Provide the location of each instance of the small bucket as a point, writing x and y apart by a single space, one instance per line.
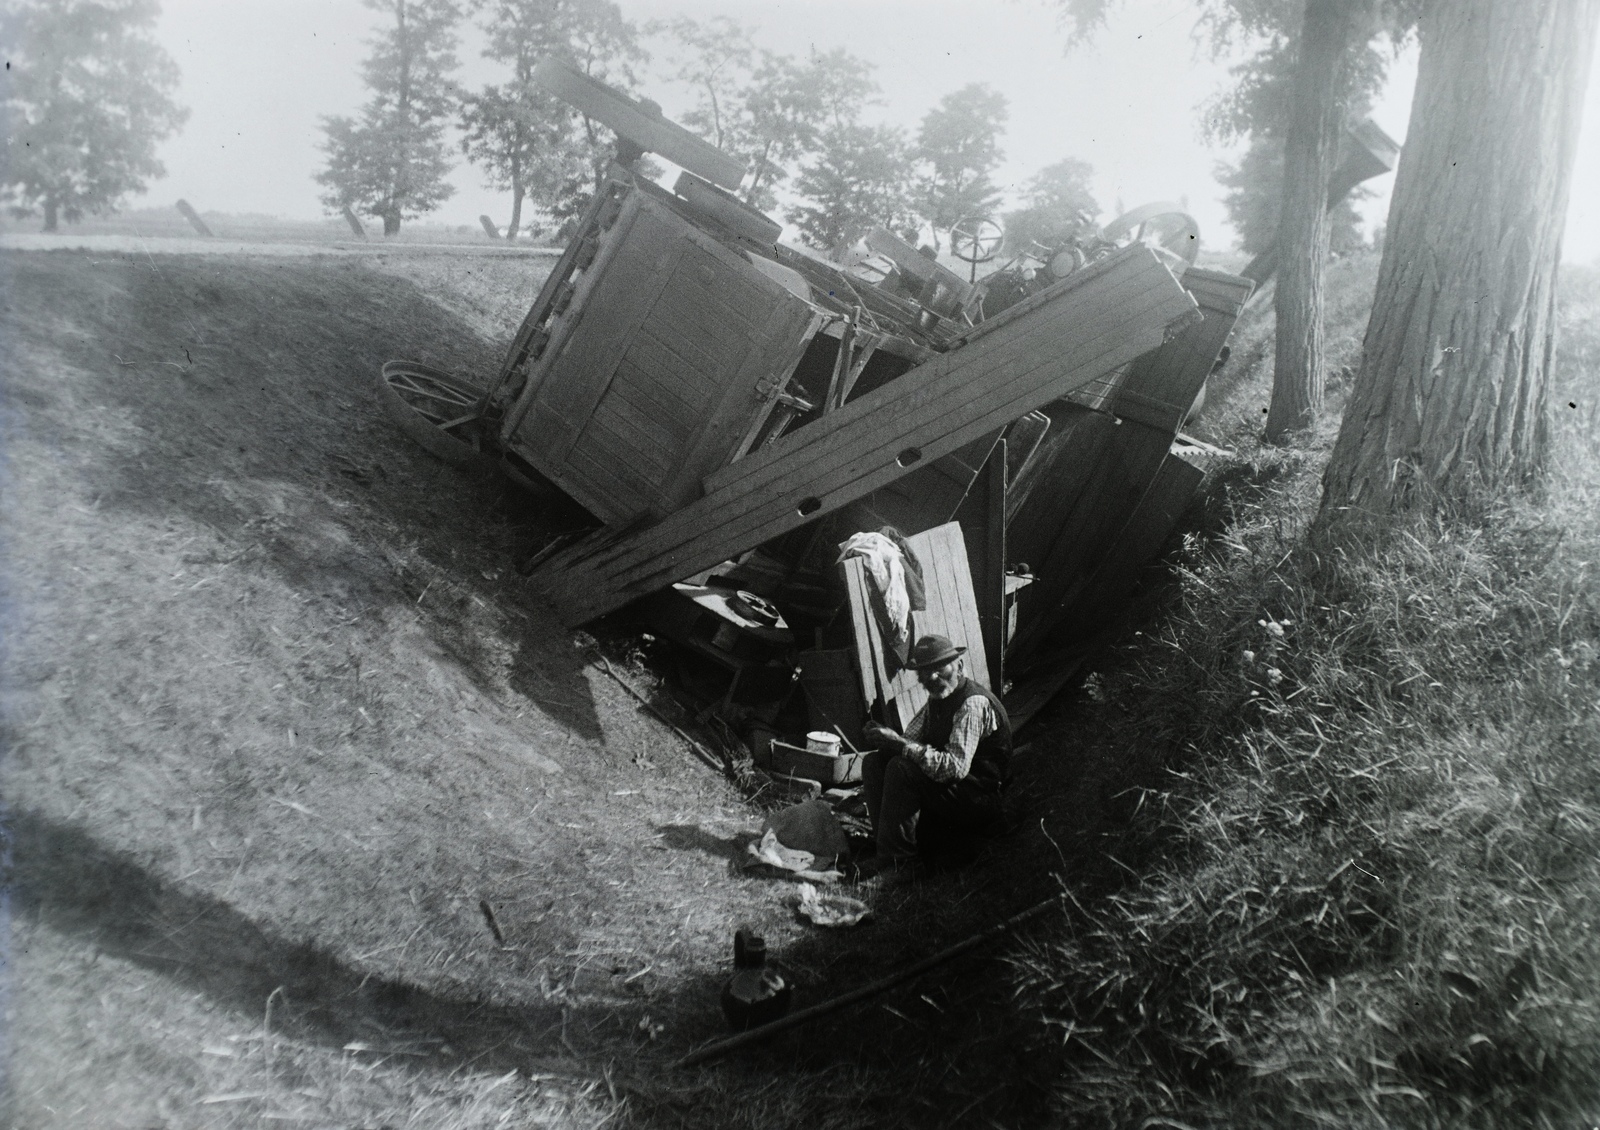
820 741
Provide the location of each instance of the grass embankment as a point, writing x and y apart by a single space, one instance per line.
1362 882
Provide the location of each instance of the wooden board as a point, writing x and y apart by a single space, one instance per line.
1066 336
982 517
668 359
1106 463
952 611
1106 593
1161 386
638 123
928 497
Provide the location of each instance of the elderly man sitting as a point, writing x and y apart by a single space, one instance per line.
950 765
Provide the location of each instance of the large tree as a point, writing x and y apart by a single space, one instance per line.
392 162
1255 194
523 141
88 95
958 144
858 177
1319 95
1452 394
1309 67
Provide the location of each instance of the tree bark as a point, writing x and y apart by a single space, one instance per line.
391 222
1452 395
1311 147
517 192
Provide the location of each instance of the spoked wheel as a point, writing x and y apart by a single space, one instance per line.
438 410
1162 225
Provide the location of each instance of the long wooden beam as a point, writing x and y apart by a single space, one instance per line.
1061 339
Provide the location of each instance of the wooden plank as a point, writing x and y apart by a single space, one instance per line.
951 611
651 131
612 300
651 436
982 517
1161 385
1122 309
769 358
1104 304
1022 442
1066 546
925 498
869 661
1102 598
1147 530
1041 502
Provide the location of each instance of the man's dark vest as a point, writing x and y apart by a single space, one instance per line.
992 762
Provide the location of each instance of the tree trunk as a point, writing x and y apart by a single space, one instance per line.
49 215
1310 150
517 192
391 222
1452 395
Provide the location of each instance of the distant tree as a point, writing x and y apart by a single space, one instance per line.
858 177
715 59
524 143
1057 205
87 98
392 162
766 108
527 142
1453 391
861 178
958 144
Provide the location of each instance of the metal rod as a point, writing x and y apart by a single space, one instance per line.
795 1019
700 750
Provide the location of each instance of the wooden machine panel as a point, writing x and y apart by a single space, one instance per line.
672 347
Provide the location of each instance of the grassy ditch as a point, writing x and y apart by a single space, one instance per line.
1360 887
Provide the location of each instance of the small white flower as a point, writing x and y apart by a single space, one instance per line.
1274 676
1274 629
1249 657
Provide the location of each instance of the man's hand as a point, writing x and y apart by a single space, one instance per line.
881 735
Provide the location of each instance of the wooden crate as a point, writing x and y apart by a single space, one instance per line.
672 346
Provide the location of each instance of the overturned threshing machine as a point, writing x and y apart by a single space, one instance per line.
731 409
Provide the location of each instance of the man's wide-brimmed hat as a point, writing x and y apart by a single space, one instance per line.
932 651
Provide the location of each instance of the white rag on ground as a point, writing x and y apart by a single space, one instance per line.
769 851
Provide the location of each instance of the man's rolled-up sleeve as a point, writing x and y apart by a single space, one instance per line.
974 721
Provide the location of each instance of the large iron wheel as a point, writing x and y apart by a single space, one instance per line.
1163 225
438 410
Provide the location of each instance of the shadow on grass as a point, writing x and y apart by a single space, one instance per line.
251 388
79 888
692 837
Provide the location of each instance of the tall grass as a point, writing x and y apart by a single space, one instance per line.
1364 891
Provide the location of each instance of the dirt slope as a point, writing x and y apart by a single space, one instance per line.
278 716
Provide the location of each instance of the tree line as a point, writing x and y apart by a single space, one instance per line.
1452 392
797 123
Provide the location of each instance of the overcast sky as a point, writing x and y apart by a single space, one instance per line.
258 75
